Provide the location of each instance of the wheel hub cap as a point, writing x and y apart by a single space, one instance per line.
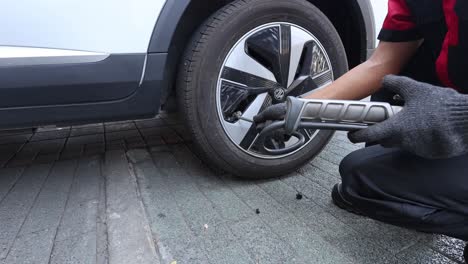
279 94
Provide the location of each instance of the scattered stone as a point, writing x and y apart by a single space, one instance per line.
161 215
299 196
257 211
205 226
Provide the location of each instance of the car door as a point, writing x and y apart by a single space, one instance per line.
61 52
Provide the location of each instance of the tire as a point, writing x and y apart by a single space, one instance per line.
198 81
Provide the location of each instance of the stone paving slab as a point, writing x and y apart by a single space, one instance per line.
128 232
135 192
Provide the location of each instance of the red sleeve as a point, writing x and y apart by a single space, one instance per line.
399 25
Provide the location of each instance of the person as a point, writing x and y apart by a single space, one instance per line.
414 171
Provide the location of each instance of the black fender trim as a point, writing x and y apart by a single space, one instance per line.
369 22
166 25
165 29
173 11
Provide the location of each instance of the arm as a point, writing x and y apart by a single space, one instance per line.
366 79
360 82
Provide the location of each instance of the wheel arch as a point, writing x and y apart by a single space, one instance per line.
179 20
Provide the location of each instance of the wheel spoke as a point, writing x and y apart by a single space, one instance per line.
259 104
313 60
251 135
301 85
245 78
242 62
285 54
313 71
319 82
323 79
232 95
271 47
306 134
298 39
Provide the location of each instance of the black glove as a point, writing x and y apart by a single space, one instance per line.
433 123
272 113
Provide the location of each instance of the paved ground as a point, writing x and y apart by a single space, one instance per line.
133 192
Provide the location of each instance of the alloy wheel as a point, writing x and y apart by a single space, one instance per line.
264 67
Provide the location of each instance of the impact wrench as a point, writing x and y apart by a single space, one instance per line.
327 115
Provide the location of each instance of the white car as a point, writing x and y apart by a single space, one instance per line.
82 61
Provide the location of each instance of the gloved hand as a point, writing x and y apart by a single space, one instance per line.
272 113
433 123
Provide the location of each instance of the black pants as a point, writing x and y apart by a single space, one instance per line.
399 188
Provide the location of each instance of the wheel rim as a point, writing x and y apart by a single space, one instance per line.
265 66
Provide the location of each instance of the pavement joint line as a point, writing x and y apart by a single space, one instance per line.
318 168
141 180
338 153
64 208
323 207
105 137
297 218
322 189
197 186
21 172
64 144
211 174
178 205
308 225
413 243
349 148
178 134
18 151
141 135
300 172
400 257
102 242
279 203
443 253
261 219
29 209
352 227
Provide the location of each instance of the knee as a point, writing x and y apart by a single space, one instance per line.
362 158
350 163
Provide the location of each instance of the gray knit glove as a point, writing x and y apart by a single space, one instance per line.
433 123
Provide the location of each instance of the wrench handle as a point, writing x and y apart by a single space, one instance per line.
336 114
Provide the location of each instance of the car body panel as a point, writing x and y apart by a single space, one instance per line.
74 51
107 26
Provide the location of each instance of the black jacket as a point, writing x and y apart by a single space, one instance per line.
443 24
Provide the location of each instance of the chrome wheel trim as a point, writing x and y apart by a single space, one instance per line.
244 68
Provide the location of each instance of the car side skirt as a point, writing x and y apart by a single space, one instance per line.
128 94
